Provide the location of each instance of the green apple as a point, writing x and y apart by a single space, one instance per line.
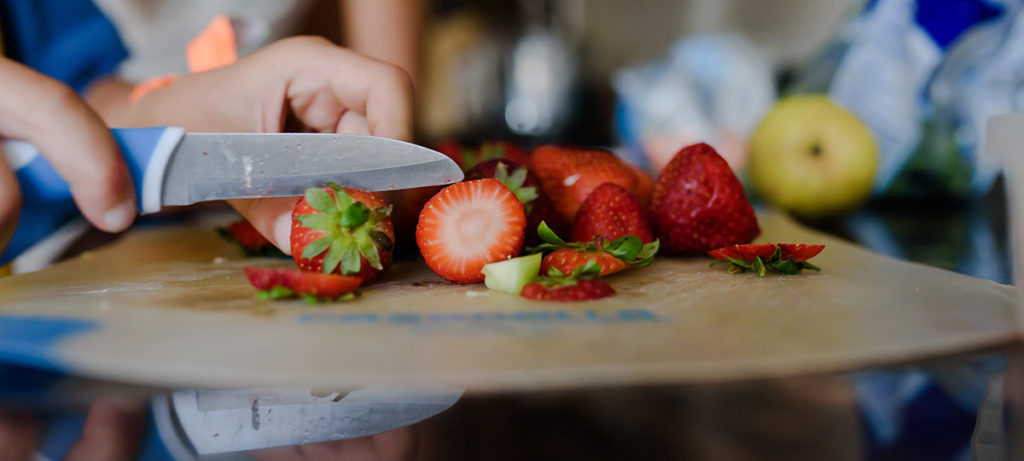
511 275
812 157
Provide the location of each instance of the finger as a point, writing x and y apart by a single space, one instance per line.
17 435
10 202
73 138
352 123
379 91
112 432
272 217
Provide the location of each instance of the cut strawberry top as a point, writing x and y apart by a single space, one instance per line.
787 258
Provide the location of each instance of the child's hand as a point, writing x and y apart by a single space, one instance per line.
45 112
306 80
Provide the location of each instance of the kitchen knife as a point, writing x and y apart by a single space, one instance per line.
205 422
171 167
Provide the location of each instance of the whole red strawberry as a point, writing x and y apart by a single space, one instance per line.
344 231
611 212
699 205
570 174
528 189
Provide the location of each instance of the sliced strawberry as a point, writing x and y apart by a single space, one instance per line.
469 225
787 258
249 240
611 212
567 260
342 231
580 285
286 283
610 255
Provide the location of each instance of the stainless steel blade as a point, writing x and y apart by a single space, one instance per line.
241 420
218 166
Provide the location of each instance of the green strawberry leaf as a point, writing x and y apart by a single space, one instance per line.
369 251
350 262
316 246
320 200
546 234
808 265
320 222
526 195
739 263
589 270
777 255
785 266
625 248
355 215
277 292
380 213
381 240
333 256
759 266
341 198
646 255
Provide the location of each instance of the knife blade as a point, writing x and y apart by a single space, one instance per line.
206 422
170 167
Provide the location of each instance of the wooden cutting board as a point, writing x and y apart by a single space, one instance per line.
171 307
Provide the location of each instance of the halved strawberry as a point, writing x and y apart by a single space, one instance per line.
286 283
249 240
469 225
611 212
610 255
580 285
342 231
787 258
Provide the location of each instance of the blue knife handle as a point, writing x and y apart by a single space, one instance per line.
145 150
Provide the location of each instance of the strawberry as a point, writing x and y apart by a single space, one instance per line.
249 240
567 260
610 255
344 231
527 188
787 258
644 186
570 174
699 205
495 150
469 225
453 150
285 283
611 212
580 285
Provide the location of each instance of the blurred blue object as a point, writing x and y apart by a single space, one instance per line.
709 88
69 40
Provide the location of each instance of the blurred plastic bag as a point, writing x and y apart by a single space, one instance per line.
710 88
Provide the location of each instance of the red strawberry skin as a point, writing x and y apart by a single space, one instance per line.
319 285
247 236
611 212
644 186
302 236
541 208
570 174
584 290
567 260
469 225
796 252
698 204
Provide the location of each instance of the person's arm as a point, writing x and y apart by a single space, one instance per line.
388 30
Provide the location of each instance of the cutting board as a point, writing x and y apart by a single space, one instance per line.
171 307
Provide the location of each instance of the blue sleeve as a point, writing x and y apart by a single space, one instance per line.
69 40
